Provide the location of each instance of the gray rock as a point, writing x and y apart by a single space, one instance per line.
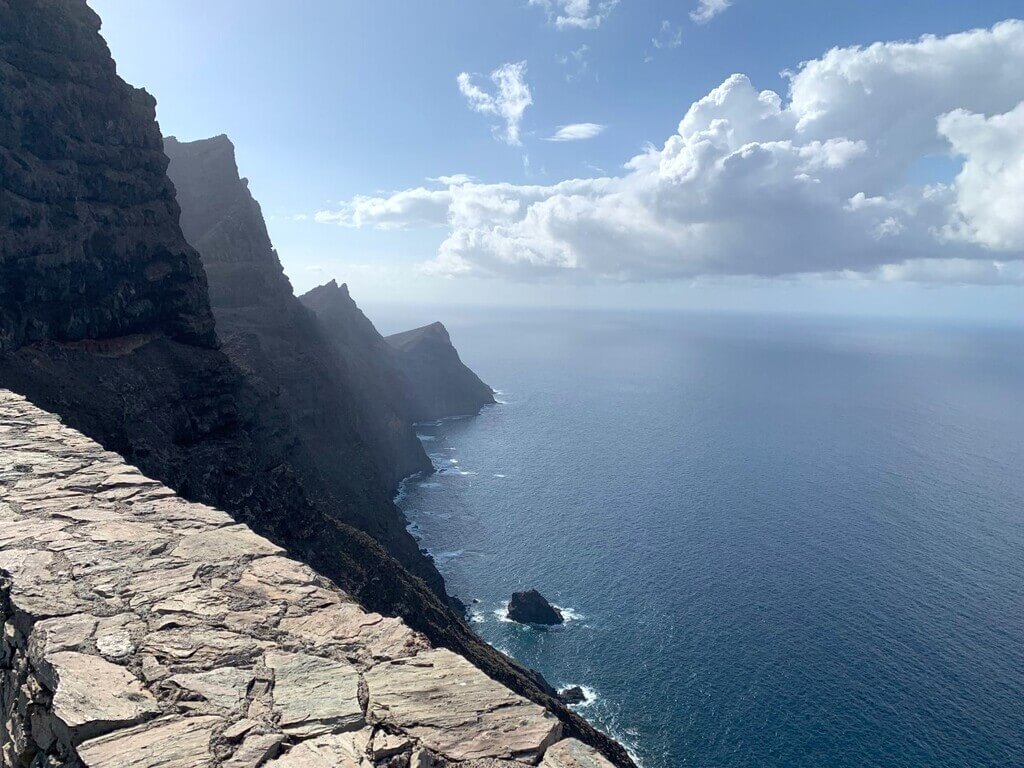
531 607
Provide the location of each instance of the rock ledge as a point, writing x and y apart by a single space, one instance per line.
144 631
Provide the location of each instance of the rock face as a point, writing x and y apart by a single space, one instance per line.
417 373
106 323
531 607
359 448
88 241
141 630
442 385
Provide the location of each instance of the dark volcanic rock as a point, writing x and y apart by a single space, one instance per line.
572 695
359 448
105 322
89 244
530 607
441 384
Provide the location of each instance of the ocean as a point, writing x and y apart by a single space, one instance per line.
779 541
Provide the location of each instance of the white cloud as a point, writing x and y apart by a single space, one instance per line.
577 132
453 180
669 36
509 102
752 184
577 14
407 209
990 188
576 62
708 9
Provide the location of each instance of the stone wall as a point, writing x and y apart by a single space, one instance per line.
144 631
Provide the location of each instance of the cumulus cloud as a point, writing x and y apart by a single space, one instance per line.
707 10
577 14
455 178
669 36
754 184
990 188
577 132
408 209
509 101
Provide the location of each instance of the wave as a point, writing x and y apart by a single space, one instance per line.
590 694
426 438
569 614
443 557
428 485
497 475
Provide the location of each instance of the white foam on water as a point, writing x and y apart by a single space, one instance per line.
427 438
590 693
570 615
428 485
444 557
497 475
453 461
477 617
464 473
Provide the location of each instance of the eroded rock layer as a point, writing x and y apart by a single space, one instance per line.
142 630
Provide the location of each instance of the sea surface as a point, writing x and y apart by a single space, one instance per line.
779 541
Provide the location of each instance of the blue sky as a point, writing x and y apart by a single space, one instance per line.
345 101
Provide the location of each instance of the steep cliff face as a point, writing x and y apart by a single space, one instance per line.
360 448
364 351
88 241
441 384
418 372
116 338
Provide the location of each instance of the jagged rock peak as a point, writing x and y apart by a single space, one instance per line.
90 245
222 220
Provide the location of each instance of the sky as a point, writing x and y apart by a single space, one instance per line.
753 155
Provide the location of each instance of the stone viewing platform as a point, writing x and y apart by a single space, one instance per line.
145 631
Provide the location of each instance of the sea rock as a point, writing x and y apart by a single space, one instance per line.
530 607
572 695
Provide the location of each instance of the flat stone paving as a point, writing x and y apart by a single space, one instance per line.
145 631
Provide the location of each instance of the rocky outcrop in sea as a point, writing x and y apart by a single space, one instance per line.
531 607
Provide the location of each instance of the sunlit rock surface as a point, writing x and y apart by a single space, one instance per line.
141 630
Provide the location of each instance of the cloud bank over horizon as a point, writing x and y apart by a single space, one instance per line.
754 184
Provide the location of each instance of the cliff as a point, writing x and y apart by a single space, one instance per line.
360 448
106 323
89 244
418 372
142 630
367 354
441 384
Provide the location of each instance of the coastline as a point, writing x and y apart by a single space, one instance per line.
475 612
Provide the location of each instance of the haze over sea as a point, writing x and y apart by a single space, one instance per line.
782 541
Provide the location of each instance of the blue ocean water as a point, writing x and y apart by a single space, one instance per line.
781 542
